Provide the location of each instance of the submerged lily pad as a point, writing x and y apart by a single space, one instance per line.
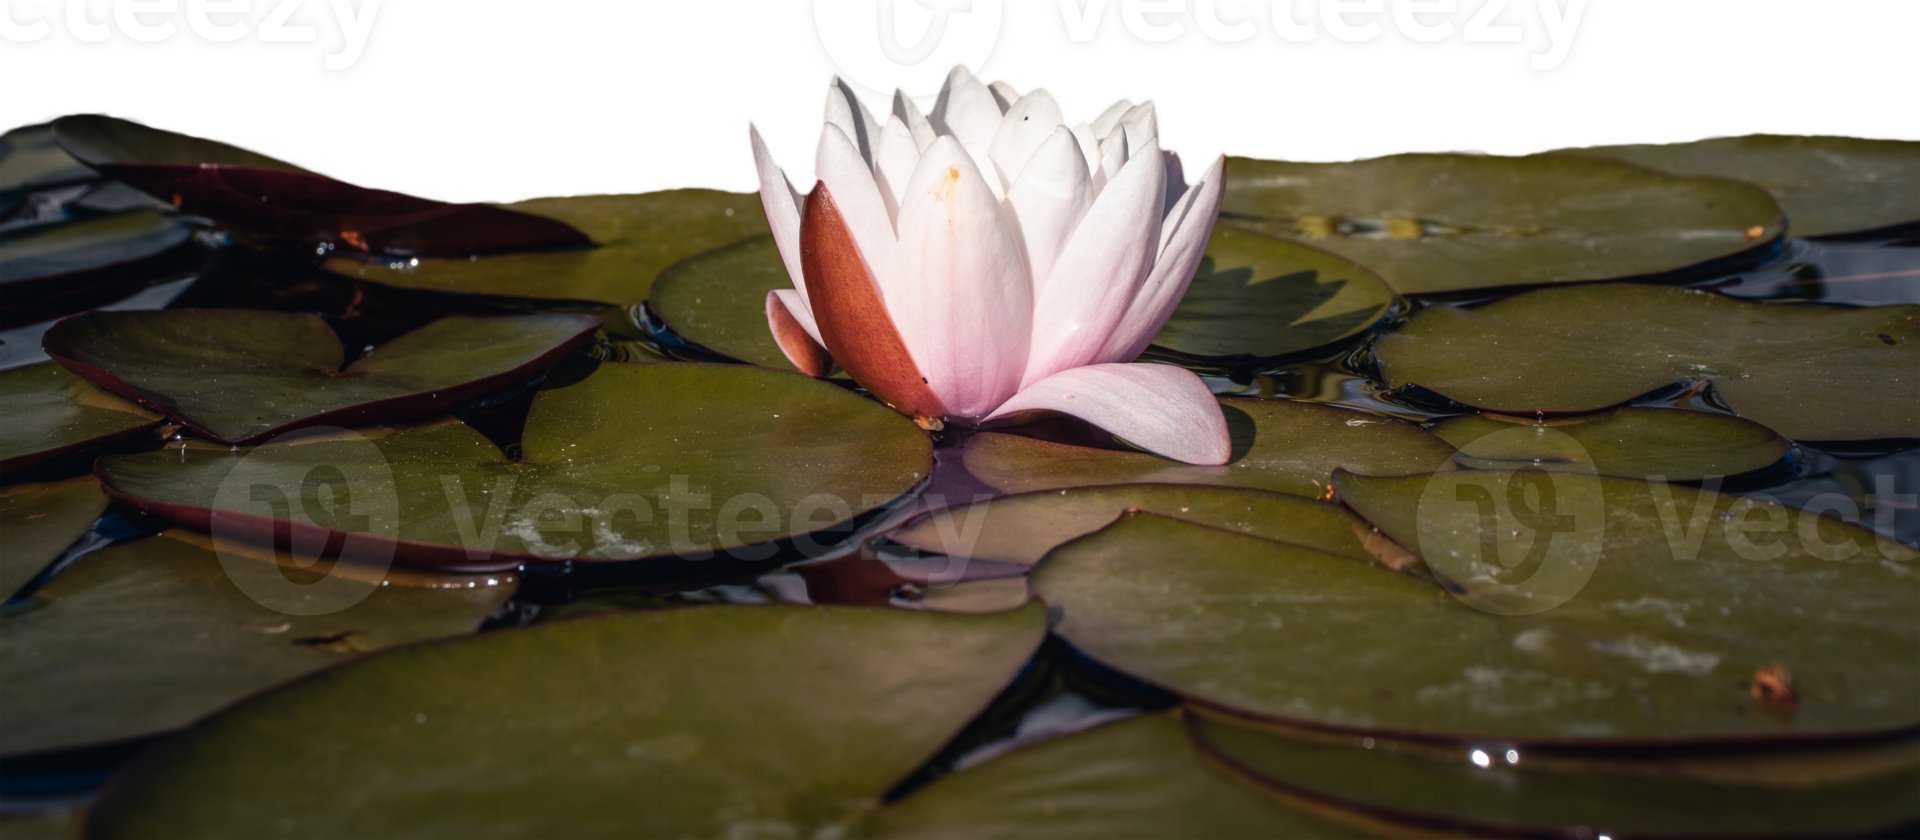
1817 792
1023 528
638 236
1289 447
239 375
1256 297
40 521
703 722
1134 778
1439 223
32 259
1665 444
272 200
146 637
718 300
1807 372
49 412
1827 185
729 456
1654 649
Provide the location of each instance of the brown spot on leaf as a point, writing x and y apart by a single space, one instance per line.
1773 686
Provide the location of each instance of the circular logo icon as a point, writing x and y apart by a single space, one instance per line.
305 524
1523 531
910 45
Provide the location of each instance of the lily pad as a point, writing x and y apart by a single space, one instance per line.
40 522
36 258
1023 528
1289 447
1135 778
275 201
638 235
1807 372
1823 792
30 160
146 637
730 457
49 412
241 376
1664 444
1644 654
1441 223
1827 185
718 300
1256 297
710 722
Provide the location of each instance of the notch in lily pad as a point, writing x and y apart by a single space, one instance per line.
241 376
274 201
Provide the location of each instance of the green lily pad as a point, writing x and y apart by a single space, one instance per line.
634 461
1831 791
1135 778
718 300
107 140
638 235
1023 528
1807 372
1827 185
1642 654
41 521
56 824
31 160
1256 297
35 258
49 412
1665 444
1280 445
1440 223
240 375
711 721
147 637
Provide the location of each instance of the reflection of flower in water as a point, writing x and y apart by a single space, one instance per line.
988 259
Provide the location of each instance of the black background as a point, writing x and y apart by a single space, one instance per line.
515 98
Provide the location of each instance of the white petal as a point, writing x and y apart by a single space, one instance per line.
945 153
1030 122
1089 147
1141 124
782 205
1159 408
1176 180
1114 154
1183 243
1100 270
996 179
965 309
1005 95
845 110
1048 200
846 175
909 113
1103 124
965 110
894 158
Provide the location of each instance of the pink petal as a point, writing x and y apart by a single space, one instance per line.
958 287
1159 408
839 165
1183 243
1176 180
1029 123
894 158
1100 270
965 110
845 110
782 205
794 330
1048 200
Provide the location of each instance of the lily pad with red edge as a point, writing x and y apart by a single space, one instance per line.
241 376
60 257
273 201
1280 445
1444 223
705 722
1829 186
40 522
718 300
48 412
1828 791
634 461
638 236
1806 372
1664 444
1256 298
1133 778
149 636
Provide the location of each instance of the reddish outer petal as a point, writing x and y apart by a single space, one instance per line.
853 320
801 350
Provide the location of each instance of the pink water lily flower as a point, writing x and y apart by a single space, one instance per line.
987 259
